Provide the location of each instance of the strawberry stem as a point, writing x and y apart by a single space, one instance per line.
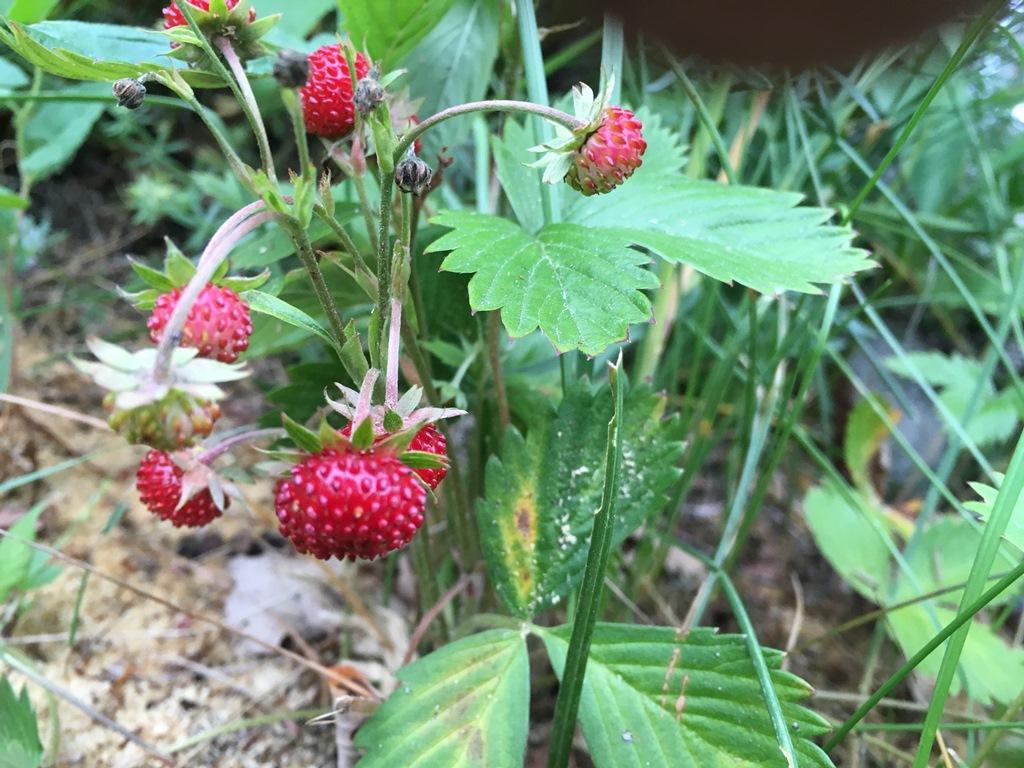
551 114
249 105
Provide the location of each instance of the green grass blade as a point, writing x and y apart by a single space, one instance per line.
589 603
988 547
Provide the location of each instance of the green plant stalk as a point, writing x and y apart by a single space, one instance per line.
249 101
962 621
426 571
704 116
343 237
218 65
537 92
665 300
589 603
304 248
612 49
948 460
988 548
878 613
387 190
188 96
569 54
291 103
992 740
970 38
551 114
366 209
771 698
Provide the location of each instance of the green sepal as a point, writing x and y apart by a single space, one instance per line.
269 193
304 438
240 284
144 299
304 198
362 435
326 193
151 277
177 266
399 441
352 353
423 460
331 437
393 421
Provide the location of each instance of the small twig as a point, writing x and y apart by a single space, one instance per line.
494 351
798 618
432 613
56 410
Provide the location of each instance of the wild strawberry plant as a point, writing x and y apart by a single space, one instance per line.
591 204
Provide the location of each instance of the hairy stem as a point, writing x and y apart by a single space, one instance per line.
551 114
249 105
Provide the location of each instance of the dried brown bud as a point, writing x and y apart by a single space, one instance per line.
130 93
291 70
413 175
369 94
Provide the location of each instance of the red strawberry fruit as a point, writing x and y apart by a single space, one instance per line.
609 155
159 484
218 324
430 440
327 106
173 16
347 503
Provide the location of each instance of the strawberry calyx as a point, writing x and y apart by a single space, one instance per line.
177 271
232 20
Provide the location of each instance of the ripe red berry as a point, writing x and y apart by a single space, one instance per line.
327 105
173 16
609 155
428 439
159 484
218 324
350 504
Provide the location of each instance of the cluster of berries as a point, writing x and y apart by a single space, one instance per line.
345 495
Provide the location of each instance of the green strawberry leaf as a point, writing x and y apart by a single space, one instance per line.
1015 530
57 130
466 704
266 304
992 668
20 746
15 556
580 286
390 30
655 696
760 238
997 417
80 50
9 199
540 495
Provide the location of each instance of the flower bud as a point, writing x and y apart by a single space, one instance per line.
413 175
291 70
369 94
130 93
